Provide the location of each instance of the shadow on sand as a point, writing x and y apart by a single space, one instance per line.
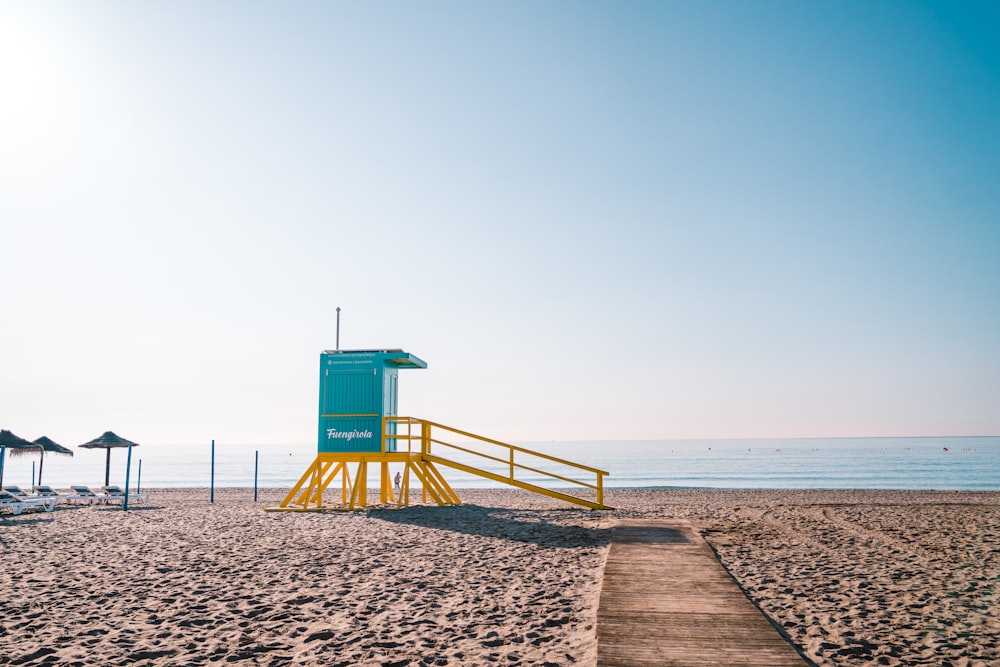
530 526
26 519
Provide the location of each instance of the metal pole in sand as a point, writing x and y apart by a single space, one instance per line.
211 495
256 462
128 469
32 473
138 482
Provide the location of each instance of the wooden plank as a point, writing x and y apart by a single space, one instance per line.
666 600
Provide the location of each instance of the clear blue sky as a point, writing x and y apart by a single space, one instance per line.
593 220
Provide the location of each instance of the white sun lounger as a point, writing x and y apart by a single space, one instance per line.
87 495
43 491
116 493
17 504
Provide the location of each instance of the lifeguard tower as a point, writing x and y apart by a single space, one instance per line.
358 427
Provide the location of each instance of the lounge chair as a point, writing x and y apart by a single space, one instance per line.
43 491
87 495
17 504
17 491
117 493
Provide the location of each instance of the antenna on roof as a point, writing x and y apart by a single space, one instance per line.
338 328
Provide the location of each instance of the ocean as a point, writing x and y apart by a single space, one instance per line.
947 463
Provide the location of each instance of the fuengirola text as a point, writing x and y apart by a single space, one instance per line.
332 433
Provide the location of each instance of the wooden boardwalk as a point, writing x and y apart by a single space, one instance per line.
666 600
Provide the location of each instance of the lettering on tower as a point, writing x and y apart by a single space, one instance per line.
332 434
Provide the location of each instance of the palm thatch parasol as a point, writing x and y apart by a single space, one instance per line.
108 441
45 444
17 446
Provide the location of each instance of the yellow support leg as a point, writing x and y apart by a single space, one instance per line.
428 486
359 496
361 479
443 483
346 488
404 489
308 491
314 494
386 485
317 497
298 485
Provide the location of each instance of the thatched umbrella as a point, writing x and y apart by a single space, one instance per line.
17 446
45 444
108 441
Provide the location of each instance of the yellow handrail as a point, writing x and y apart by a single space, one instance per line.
426 440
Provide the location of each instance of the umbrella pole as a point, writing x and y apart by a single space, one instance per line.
3 453
128 468
41 464
212 483
107 468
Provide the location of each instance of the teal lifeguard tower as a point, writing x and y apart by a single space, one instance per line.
358 426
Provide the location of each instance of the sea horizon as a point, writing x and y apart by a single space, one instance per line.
879 462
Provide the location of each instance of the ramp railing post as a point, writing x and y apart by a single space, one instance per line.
425 450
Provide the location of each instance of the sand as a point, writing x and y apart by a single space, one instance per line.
508 578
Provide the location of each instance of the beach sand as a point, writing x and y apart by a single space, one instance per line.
507 578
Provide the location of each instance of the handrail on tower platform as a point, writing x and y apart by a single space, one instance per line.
507 467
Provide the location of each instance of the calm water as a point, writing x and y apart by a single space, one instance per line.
816 463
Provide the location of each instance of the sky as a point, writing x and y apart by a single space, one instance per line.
593 220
